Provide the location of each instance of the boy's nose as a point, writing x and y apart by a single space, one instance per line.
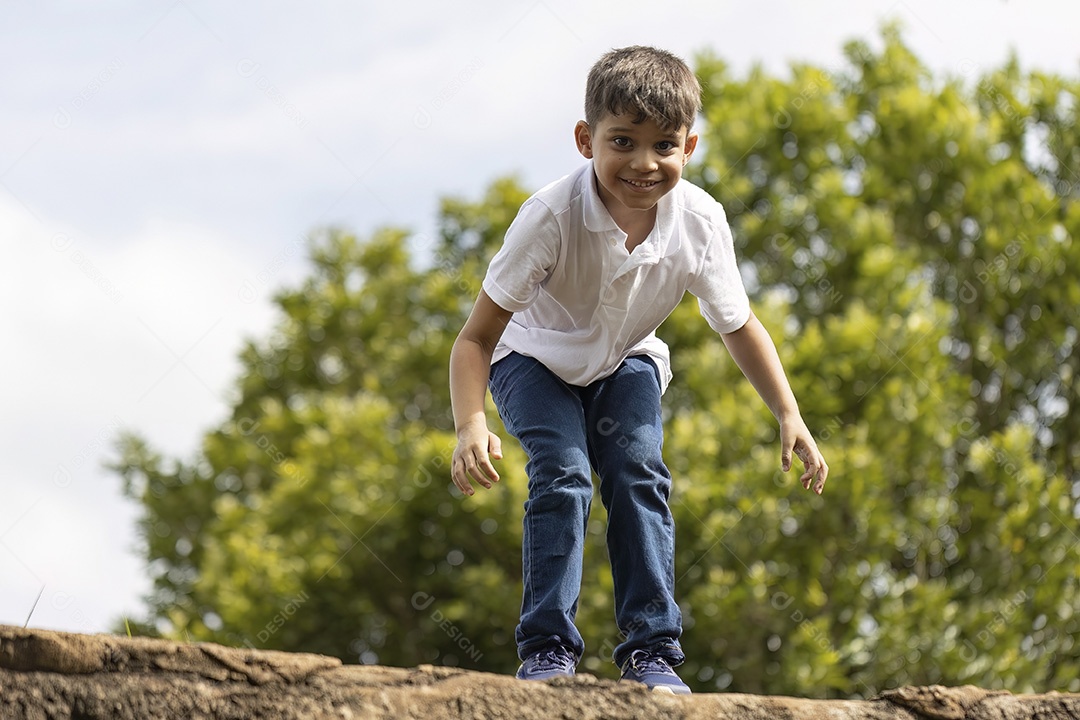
644 161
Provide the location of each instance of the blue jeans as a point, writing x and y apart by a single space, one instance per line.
612 426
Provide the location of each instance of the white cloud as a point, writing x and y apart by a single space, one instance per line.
140 337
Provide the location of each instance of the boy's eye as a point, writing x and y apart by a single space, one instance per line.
665 146
621 141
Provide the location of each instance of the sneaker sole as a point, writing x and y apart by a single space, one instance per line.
662 689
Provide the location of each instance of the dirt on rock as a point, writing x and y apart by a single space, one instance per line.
47 675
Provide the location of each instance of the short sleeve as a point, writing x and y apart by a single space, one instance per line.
718 285
529 253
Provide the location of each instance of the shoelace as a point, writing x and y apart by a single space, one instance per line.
645 663
553 659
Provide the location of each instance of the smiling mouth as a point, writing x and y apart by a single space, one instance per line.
641 184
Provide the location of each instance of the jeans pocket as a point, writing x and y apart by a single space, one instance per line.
497 379
500 382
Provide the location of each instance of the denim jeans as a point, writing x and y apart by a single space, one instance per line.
612 426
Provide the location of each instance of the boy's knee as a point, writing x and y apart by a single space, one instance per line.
563 494
635 450
567 473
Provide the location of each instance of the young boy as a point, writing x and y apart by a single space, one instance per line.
563 333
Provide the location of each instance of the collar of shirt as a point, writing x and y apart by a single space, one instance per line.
660 243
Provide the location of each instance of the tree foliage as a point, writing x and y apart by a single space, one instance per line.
910 242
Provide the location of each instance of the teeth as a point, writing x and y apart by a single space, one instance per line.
641 184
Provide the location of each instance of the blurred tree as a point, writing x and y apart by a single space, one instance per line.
909 241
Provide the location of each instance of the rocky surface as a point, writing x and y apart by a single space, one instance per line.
51 675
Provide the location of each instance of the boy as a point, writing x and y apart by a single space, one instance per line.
563 334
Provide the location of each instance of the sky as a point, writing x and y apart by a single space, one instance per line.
162 161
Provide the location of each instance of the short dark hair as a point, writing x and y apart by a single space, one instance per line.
651 83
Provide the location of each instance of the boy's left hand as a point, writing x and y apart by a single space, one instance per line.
796 438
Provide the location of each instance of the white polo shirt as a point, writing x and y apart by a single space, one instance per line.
582 304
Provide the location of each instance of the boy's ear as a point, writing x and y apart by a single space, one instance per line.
583 138
688 148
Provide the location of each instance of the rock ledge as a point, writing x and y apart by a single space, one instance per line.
47 675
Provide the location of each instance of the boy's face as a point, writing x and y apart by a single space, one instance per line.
636 164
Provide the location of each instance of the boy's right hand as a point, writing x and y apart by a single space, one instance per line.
472 458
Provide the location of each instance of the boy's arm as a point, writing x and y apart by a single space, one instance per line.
755 354
470 366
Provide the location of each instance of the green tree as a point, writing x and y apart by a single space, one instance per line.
909 241
911 238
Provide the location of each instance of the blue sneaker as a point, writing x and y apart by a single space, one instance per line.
654 672
553 661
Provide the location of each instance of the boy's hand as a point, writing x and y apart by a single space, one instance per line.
476 445
796 438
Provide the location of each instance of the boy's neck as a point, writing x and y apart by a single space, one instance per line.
637 224
637 227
